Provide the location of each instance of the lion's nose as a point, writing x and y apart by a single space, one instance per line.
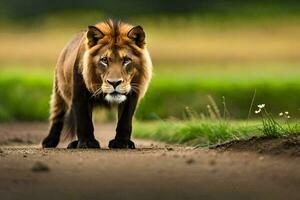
115 83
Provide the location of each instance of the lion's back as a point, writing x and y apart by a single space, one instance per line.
65 65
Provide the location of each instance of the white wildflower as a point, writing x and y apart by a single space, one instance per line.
288 117
280 114
286 112
257 111
260 106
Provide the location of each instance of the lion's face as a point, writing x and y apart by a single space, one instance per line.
113 60
116 69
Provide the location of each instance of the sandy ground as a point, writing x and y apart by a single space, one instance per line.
152 171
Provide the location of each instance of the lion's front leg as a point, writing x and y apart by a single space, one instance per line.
84 126
82 108
124 126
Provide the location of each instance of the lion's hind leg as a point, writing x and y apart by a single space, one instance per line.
58 109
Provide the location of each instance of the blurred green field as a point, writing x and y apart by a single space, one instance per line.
25 95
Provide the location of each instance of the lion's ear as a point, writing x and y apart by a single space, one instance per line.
93 35
137 34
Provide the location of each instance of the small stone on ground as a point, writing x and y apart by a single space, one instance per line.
40 167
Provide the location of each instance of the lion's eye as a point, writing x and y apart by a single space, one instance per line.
104 61
127 61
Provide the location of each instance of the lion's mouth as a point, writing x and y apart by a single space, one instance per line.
114 93
115 97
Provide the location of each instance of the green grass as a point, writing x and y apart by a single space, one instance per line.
25 95
177 86
170 97
206 133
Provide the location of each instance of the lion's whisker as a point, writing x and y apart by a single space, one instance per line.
134 89
97 92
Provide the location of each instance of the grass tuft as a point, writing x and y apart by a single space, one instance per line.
209 130
201 133
197 132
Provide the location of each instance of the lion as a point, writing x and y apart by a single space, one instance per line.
107 65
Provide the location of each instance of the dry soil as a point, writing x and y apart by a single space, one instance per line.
152 171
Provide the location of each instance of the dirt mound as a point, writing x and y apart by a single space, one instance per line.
289 145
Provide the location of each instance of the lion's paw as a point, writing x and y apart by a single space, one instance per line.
121 144
73 145
88 144
50 142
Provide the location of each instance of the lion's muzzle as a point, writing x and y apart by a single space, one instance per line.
115 91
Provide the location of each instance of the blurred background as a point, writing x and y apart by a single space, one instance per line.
206 53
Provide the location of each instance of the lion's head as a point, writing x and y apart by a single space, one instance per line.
116 61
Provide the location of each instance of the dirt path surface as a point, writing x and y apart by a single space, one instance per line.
152 171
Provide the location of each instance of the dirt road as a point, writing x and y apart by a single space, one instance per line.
152 171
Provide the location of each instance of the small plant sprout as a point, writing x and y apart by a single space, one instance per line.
270 127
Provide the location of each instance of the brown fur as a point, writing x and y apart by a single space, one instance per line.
116 40
78 48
